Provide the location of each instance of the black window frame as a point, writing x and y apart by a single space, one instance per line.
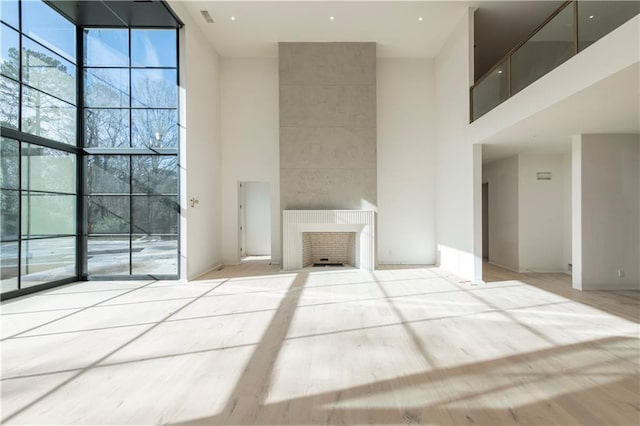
81 153
131 151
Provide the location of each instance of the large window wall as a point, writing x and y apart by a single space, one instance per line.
38 152
89 150
130 128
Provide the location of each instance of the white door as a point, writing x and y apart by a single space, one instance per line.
257 219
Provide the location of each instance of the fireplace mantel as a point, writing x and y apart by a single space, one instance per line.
295 222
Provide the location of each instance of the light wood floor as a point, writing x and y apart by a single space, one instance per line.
251 345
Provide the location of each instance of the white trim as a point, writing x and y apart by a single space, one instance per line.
295 222
215 268
509 268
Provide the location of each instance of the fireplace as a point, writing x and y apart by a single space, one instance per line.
328 236
328 249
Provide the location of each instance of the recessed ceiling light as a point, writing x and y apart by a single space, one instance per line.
233 18
591 16
331 17
499 71
420 18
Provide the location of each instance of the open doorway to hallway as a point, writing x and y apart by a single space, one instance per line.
526 207
254 211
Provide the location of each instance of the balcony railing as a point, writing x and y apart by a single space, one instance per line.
573 27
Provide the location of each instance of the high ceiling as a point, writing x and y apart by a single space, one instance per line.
259 25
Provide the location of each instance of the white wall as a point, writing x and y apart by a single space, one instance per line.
541 213
257 218
576 211
406 161
200 151
607 205
530 219
250 142
566 209
458 166
502 177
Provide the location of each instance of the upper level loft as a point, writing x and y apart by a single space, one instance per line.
573 27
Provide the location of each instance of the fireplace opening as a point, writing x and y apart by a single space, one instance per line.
326 249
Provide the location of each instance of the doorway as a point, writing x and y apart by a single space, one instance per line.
255 219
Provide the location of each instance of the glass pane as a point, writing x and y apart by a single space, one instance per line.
108 255
9 58
48 214
48 27
550 47
108 214
106 88
598 18
106 47
106 128
155 215
9 105
153 48
155 174
9 162
154 255
154 88
47 260
9 266
45 116
9 12
9 219
491 91
47 169
47 71
107 174
155 128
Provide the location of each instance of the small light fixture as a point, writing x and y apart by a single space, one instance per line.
331 18
420 18
591 16
499 71
233 18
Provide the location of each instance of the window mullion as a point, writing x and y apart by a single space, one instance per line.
81 239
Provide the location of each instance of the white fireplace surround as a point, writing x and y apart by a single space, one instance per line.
295 222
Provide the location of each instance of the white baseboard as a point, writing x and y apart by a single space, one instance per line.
530 271
215 268
543 271
607 287
504 267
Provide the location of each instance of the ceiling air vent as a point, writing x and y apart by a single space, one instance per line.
206 16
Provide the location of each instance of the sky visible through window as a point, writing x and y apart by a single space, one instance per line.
48 28
128 102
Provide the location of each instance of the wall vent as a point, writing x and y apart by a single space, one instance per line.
207 17
544 175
